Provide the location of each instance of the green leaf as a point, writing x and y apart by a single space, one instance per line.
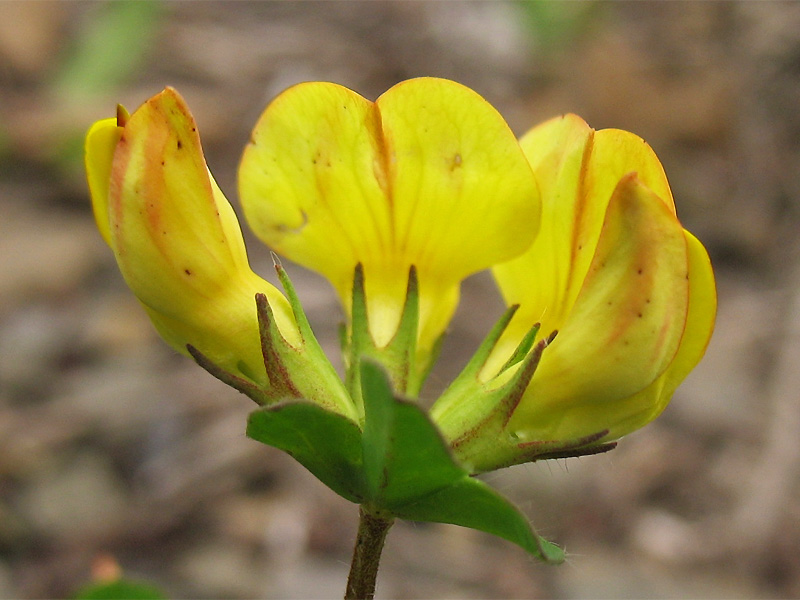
471 503
411 473
120 590
400 464
325 442
405 457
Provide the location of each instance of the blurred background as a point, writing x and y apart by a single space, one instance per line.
112 446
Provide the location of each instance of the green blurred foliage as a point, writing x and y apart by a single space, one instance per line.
554 24
110 47
121 589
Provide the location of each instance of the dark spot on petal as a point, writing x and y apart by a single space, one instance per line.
187 271
180 144
639 271
286 229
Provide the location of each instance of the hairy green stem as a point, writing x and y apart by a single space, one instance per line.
372 530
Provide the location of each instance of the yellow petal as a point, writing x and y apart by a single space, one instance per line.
614 154
626 324
428 175
101 141
610 156
178 243
577 170
456 176
539 280
700 319
635 412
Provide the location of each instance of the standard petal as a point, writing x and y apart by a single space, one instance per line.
614 154
310 183
429 175
611 155
626 325
462 193
577 170
101 140
539 279
178 243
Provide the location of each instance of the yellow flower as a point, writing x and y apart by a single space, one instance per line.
629 291
178 243
429 175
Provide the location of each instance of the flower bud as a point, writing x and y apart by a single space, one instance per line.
180 249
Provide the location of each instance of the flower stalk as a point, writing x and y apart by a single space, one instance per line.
373 526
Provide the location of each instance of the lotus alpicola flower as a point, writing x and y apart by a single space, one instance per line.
395 202
429 176
629 292
180 249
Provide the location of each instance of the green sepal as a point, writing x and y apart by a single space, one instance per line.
302 372
294 365
326 443
524 346
274 349
473 415
303 325
410 472
547 450
258 395
360 339
478 360
399 356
